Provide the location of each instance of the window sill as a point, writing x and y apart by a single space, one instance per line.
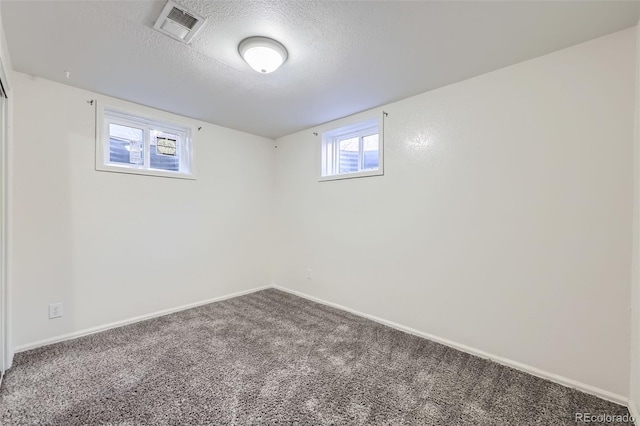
352 175
145 172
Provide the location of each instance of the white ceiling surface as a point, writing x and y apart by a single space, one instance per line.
344 57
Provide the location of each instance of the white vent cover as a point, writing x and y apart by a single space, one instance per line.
178 22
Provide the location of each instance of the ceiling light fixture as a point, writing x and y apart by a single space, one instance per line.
263 54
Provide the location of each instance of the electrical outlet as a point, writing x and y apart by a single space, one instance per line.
309 274
55 310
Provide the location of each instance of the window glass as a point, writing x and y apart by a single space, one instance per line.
349 153
370 152
126 144
164 151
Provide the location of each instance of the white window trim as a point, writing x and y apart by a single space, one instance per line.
102 146
357 127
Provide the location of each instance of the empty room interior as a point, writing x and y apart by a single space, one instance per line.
319 212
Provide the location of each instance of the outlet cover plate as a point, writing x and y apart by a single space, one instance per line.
55 310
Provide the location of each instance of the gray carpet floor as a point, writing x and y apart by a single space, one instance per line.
272 358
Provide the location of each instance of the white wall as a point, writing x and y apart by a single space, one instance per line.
634 390
503 221
113 246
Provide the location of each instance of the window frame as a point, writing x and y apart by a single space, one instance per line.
106 115
360 128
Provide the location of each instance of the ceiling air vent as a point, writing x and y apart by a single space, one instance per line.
178 22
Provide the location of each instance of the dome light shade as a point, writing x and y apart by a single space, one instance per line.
263 54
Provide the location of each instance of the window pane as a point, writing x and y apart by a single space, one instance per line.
165 152
371 152
348 151
126 145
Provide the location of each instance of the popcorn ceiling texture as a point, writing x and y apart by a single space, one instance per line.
273 358
344 56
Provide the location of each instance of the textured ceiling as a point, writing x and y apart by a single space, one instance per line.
344 57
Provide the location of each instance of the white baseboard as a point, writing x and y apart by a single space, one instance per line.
9 360
583 387
115 324
633 410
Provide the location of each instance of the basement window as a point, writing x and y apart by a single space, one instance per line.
353 150
129 143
